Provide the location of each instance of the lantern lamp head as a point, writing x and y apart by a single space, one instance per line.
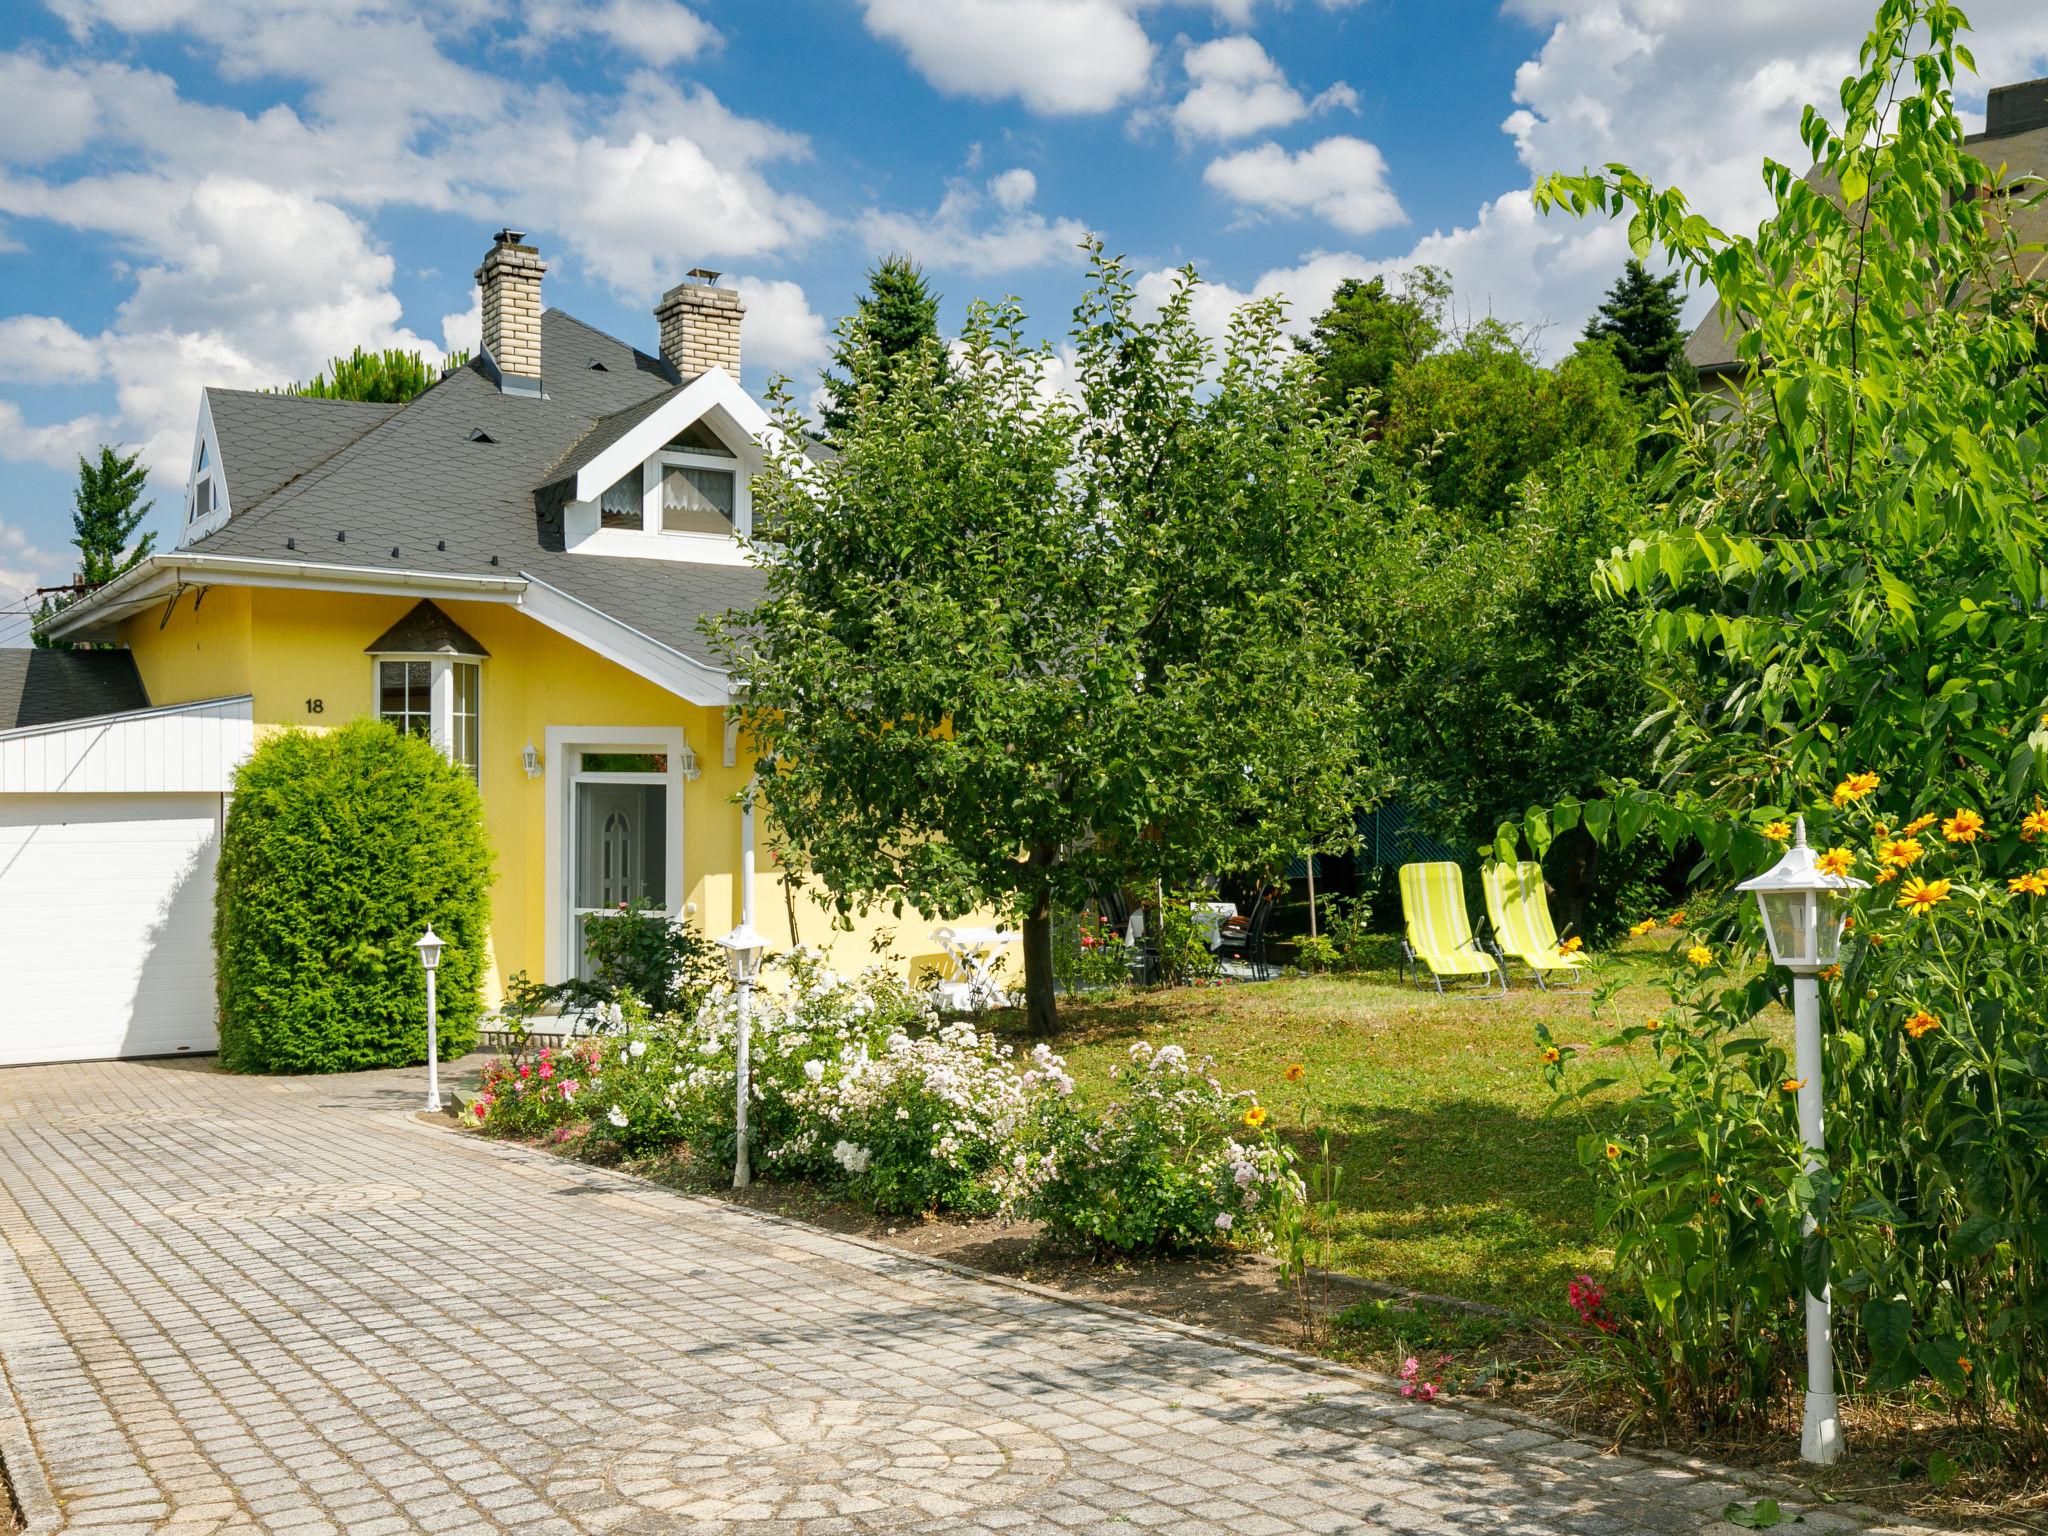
530 760
1802 908
430 946
743 949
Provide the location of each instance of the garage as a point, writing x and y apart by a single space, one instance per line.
109 832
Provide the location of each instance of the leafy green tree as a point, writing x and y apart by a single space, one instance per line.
1371 331
389 377
1019 640
1848 577
1639 321
898 315
1479 415
107 512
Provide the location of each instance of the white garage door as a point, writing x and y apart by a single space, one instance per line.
106 919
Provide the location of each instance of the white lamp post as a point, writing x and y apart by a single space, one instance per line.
1802 912
430 946
743 949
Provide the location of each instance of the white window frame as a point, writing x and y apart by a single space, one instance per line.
651 476
440 699
564 742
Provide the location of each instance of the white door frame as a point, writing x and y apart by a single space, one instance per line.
558 874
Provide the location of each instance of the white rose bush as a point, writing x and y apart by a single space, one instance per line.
857 1083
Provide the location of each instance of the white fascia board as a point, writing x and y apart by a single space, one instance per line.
694 681
713 387
162 576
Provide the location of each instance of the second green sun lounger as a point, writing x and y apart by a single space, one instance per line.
1439 934
1520 914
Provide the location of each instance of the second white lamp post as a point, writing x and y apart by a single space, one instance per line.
743 948
1802 912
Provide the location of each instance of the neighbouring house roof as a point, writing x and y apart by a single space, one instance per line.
2015 136
48 687
426 631
466 481
269 440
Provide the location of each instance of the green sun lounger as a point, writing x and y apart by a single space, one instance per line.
1440 935
1520 914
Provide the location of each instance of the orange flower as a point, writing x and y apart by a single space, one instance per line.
1923 896
1777 831
1918 825
1255 1117
2036 822
1832 973
1921 1023
1296 1072
1637 930
1613 1151
1885 876
1570 946
1901 851
1962 827
1836 861
1675 918
1854 787
1700 956
2029 884
1552 1054
1792 1084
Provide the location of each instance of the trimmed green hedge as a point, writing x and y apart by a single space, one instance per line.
340 847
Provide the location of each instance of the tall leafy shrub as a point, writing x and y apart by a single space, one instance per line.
340 849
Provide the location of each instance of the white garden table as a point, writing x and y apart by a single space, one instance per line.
1210 916
971 955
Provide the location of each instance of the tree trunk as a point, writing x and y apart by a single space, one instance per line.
1041 1006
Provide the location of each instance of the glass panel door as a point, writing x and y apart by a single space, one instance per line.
621 849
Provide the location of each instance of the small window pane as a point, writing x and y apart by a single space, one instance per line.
467 721
698 438
620 505
625 762
696 500
405 696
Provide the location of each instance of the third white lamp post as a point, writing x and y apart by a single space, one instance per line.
430 945
1802 912
743 948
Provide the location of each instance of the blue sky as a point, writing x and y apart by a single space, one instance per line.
226 192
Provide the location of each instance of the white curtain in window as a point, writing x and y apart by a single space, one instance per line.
696 500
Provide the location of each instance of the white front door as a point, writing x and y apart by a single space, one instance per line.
106 925
615 830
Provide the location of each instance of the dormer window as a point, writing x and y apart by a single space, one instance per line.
622 505
429 682
696 500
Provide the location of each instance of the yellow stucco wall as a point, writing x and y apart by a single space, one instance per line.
301 656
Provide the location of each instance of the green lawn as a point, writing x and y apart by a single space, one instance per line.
1455 1178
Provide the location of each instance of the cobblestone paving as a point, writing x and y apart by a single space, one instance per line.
251 1305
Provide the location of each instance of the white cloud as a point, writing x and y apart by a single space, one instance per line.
952 237
1014 189
660 31
1058 57
462 330
780 330
58 444
1236 89
1342 180
41 349
50 112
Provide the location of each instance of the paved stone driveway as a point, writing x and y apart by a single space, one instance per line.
236 1305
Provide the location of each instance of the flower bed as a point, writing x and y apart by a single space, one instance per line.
857 1083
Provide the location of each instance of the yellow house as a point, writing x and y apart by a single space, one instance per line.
514 564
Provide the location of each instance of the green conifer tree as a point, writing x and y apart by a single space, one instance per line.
108 509
389 377
1639 320
898 313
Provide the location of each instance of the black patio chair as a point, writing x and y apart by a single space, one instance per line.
1143 961
1248 943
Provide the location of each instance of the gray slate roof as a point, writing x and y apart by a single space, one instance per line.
426 631
415 492
267 440
51 687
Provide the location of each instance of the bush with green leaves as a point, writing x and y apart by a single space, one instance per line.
1345 943
1168 1159
1088 952
341 847
638 952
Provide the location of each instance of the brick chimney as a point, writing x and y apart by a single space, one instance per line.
510 279
700 325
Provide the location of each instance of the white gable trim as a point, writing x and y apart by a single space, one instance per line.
713 387
206 445
664 666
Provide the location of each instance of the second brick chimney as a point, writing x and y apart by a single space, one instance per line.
700 325
510 279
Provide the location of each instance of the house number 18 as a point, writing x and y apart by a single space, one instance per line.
316 706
